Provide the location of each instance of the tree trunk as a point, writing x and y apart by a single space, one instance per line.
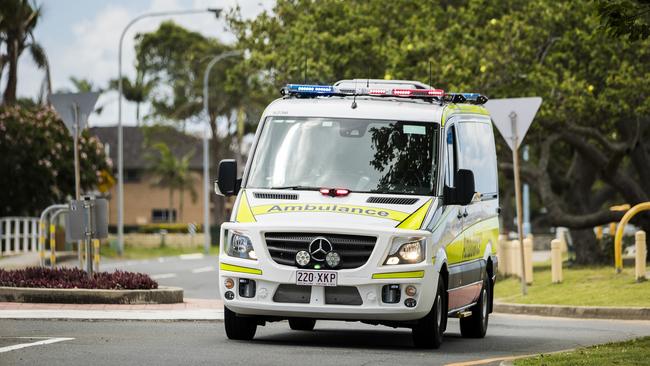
170 213
180 204
12 76
589 250
137 114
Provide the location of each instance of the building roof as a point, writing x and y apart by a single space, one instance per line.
135 152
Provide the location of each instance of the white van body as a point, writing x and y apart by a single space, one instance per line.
361 225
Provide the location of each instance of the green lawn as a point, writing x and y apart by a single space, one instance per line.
634 352
131 252
586 286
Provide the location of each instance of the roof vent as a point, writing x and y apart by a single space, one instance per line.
392 200
275 196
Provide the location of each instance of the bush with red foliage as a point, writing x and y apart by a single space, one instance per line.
75 278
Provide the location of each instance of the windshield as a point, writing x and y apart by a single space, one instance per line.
359 155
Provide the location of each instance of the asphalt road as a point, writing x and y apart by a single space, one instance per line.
332 343
195 273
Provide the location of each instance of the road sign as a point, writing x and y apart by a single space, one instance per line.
74 107
503 111
513 117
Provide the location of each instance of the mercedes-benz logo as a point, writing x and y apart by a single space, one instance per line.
319 247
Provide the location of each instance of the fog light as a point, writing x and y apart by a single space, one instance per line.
229 283
390 294
302 258
229 295
392 260
333 259
246 288
410 291
410 303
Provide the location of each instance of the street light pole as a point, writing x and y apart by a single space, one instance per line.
206 150
120 134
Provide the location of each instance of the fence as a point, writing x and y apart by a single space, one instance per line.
18 235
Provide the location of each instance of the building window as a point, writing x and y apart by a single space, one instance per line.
132 176
159 215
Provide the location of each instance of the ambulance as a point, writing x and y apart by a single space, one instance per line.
367 200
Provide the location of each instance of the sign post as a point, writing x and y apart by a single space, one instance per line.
74 109
513 117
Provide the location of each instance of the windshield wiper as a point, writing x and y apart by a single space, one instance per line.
297 188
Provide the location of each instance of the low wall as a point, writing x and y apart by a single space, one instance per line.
161 295
155 240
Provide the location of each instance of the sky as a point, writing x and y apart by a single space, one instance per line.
81 39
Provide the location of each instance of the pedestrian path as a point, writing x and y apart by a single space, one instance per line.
190 309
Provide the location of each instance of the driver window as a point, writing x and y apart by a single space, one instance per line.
451 160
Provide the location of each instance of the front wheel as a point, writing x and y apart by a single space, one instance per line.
429 330
476 325
238 327
302 323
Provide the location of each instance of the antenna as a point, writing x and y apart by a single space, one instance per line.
354 99
368 80
304 70
430 77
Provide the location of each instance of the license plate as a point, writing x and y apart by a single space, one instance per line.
316 278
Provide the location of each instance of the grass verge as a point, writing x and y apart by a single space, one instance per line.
634 352
582 286
132 252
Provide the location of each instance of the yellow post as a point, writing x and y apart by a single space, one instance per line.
599 232
41 243
556 261
528 259
52 245
502 248
641 253
618 240
96 254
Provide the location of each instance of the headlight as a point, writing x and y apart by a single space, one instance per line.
406 251
240 246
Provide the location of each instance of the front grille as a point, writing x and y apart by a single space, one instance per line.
354 249
288 293
342 295
275 196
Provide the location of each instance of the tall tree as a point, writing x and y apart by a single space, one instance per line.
164 166
590 144
18 18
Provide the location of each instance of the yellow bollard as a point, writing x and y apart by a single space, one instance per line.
618 239
502 248
612 229
599 232
52 245
641 253
96 254
41 244
528 259
556 261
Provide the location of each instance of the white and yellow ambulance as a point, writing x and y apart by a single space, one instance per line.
366 200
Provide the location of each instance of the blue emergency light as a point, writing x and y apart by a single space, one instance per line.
471 98
302 89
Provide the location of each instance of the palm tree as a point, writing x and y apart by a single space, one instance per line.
165 167
137 91
18 18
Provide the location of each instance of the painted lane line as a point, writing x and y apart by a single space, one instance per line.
32 344
192 256
204 269
163 276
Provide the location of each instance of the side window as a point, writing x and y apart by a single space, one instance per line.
451 160
477 153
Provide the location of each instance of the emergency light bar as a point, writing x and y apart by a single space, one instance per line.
304 90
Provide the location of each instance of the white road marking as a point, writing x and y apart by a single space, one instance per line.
192 256
163 276
37 343
204 269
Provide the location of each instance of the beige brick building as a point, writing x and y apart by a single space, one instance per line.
144 202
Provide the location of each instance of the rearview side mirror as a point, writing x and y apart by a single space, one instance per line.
463 193
227 183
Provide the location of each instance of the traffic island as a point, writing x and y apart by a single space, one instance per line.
161 295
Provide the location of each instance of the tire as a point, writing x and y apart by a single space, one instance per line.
302 323
429 330
239 327
476 325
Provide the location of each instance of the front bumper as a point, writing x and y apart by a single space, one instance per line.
368 279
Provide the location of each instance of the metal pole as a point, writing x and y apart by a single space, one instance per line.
77 174
42 232
120 132
206 150
520 224
526 198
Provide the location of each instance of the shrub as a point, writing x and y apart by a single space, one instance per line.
75 278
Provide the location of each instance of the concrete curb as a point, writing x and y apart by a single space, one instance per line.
162 295
109 315
565 311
